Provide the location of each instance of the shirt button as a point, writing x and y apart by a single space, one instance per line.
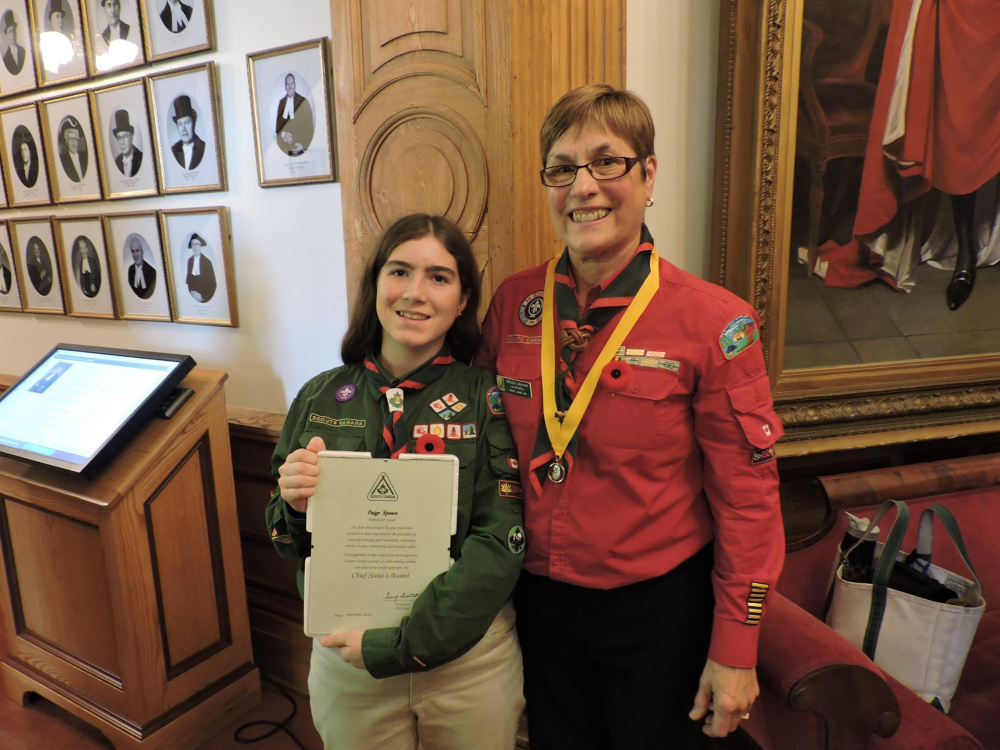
616 373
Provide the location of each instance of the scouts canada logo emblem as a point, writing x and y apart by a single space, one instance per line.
515 540
531 309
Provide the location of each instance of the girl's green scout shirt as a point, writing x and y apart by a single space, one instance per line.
464 407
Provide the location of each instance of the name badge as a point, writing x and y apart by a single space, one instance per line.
514 386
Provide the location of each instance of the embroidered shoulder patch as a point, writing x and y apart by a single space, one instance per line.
740 333
531 309
762 456
495 401
331 422
515 540
510 488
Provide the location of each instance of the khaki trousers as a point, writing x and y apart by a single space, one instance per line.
474 701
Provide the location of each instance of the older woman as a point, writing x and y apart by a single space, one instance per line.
643 420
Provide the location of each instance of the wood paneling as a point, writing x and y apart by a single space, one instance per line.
438 110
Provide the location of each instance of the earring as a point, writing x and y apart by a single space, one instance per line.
649 202
460 312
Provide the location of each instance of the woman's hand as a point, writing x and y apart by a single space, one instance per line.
725 695
349 643
297 476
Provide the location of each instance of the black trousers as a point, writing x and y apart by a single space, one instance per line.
616 669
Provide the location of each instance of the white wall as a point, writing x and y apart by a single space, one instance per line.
672 63
287 238
291 238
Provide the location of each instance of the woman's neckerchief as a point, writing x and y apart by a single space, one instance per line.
567 399
394 437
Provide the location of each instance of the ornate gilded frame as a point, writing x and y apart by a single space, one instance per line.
824 407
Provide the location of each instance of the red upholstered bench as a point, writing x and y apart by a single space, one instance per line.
818 690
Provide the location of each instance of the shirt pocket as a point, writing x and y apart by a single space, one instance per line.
637 415
754 410
336 440
522 410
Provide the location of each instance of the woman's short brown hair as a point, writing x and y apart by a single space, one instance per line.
364 332
615 110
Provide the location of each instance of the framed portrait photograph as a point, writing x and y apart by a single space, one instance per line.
60 30
186 129
37 266
177 27
828 222
115 34
23 157
140 276
83 255
70 152
10 293
201 266
289 94
17 49
126 152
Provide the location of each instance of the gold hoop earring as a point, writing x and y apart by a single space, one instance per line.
649 202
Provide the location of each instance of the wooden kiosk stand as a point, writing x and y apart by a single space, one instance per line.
122 597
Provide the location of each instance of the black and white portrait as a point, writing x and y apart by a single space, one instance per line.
129 158
175 15
6 275
14 53
200 265
114 31
128 163
177 27
294 123
60 42
73 149
141 273
189 148
24 156
86 266
38 260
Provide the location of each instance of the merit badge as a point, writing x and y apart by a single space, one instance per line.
531 309
458 407
515 540
430 444
451 399
447 414
454 431
469 431
738 335
557 472
762 456
419 430
755 602
514 386
395 398
437 428
346 392
438 406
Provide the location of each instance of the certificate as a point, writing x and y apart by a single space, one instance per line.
381 531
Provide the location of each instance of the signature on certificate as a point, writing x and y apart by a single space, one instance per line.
391 597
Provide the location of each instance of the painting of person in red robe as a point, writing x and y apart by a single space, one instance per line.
929 182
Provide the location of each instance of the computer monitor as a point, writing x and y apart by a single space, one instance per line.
80 405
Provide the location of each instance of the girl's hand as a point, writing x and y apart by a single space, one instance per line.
349 643
297 476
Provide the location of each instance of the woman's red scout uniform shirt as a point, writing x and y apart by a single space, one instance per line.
674 451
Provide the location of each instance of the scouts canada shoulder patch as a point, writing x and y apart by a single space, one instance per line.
739 334
494 400
531 309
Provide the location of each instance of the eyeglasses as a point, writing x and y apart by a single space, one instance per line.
605 168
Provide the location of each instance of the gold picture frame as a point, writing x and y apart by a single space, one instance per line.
39 272
163 43
192 93
209 297
822 407
295 142
59 116
10 292
118 110
133 239
24 162
83 254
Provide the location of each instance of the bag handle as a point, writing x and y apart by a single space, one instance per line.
880 581
950 526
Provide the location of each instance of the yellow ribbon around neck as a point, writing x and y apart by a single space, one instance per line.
560 433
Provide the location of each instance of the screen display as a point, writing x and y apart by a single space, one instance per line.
76 407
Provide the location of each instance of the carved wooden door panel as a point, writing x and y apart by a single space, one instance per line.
428 118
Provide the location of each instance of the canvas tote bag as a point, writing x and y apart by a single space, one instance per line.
922 643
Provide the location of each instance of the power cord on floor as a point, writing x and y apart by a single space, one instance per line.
276 726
